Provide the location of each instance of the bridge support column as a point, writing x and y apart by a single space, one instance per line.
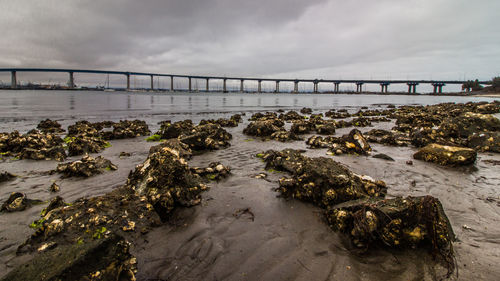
128 82
189 86
336 89
71 81
208 85
152 83
224 86
384 86
440 88
315 86
296 86
412 88
259 87
242 87
171 83
13 79
277 86
359 87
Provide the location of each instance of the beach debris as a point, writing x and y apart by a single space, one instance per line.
245 211
400 222
86 167
103 259
264 128
214 171
383 156
124 154
446 155
6 176
320 180
127 129
54 187
49 126
17 201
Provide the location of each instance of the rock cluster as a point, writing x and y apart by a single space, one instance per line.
353 143
32 145
49 126
17 201
86 167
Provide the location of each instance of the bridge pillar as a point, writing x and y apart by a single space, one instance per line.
315 86
259 87
441 88
189 84
224 86
128 81
384 86
296 86
277 86
242 88
171 83
152 83
208 85
359 87
71 83
412 88
13 79
337 87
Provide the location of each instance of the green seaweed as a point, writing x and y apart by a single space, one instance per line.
154 137
37 224
99 233
107 144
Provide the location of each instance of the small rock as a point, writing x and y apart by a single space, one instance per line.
54 187
446 155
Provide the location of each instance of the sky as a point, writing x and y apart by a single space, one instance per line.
324 39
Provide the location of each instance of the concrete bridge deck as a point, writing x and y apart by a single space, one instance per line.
412 84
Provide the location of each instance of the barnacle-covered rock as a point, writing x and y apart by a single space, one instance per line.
17 201
354 142
391 138
166 181
361 122
306 110
49 126
127 129
86 167
102 259
33 145
182 148
399 222
263 116
206 137
285 136
82 144
339 114
264 128
214 171
169 130
291 116
326 128
320 180
302 127
446 155
489 141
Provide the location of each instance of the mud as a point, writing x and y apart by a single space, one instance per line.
241 222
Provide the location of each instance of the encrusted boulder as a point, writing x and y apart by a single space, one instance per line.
49 126
446 155
302 127
169 130
354 142
86 167
206 137
320 180
102 259
182 148
400 222
82 144
327 128
285 136
214 171
127 129
264 128
33 145
6 176
489 141
306 110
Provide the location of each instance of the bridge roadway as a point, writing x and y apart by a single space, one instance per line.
412 84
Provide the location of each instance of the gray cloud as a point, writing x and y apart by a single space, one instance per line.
292 38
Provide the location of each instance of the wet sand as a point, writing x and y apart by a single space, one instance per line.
276 238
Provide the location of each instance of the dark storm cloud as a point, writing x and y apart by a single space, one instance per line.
349 38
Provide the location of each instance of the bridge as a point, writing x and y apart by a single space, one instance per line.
384 84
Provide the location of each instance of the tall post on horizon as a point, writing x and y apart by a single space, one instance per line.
242 89
296 86
259 87
224 85
171 83
13 80
152 83
277 86
71 83
208 85
128 81
189 86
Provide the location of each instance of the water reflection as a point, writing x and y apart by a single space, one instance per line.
72 102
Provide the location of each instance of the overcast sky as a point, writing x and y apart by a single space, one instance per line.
415 39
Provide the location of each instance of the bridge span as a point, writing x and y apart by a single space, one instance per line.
384 84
